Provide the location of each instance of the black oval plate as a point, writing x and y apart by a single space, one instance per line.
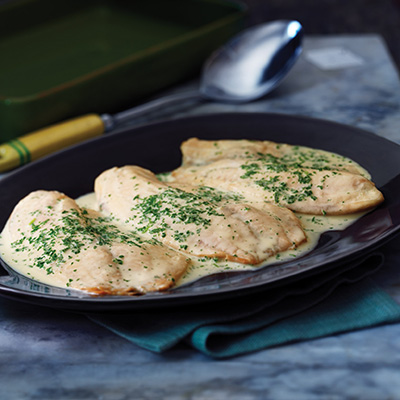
156 147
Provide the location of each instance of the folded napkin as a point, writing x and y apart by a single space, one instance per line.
338 300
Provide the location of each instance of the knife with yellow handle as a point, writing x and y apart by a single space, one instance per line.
42 142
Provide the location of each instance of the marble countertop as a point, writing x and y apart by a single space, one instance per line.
48 354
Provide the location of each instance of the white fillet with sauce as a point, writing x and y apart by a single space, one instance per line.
201 152
192 222
78 248
292 179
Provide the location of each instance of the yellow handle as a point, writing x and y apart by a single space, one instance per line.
48 140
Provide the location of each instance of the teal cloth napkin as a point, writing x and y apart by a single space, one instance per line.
338 300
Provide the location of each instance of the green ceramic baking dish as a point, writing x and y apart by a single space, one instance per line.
60 59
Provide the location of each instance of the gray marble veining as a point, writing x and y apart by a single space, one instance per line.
48 354
62 356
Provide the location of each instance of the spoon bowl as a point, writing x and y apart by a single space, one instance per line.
253 63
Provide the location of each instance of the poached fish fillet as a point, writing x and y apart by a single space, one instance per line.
81 249
294 230
305 190
196 221
201 152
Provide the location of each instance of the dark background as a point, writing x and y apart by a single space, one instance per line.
336 17
333 17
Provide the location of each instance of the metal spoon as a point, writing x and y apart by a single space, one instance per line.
246 68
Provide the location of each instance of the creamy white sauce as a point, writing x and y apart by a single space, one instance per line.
314 226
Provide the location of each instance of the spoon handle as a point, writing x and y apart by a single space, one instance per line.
113 121
38 144
42 142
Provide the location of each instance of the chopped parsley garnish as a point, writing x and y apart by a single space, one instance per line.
262 173
165 212
73 232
